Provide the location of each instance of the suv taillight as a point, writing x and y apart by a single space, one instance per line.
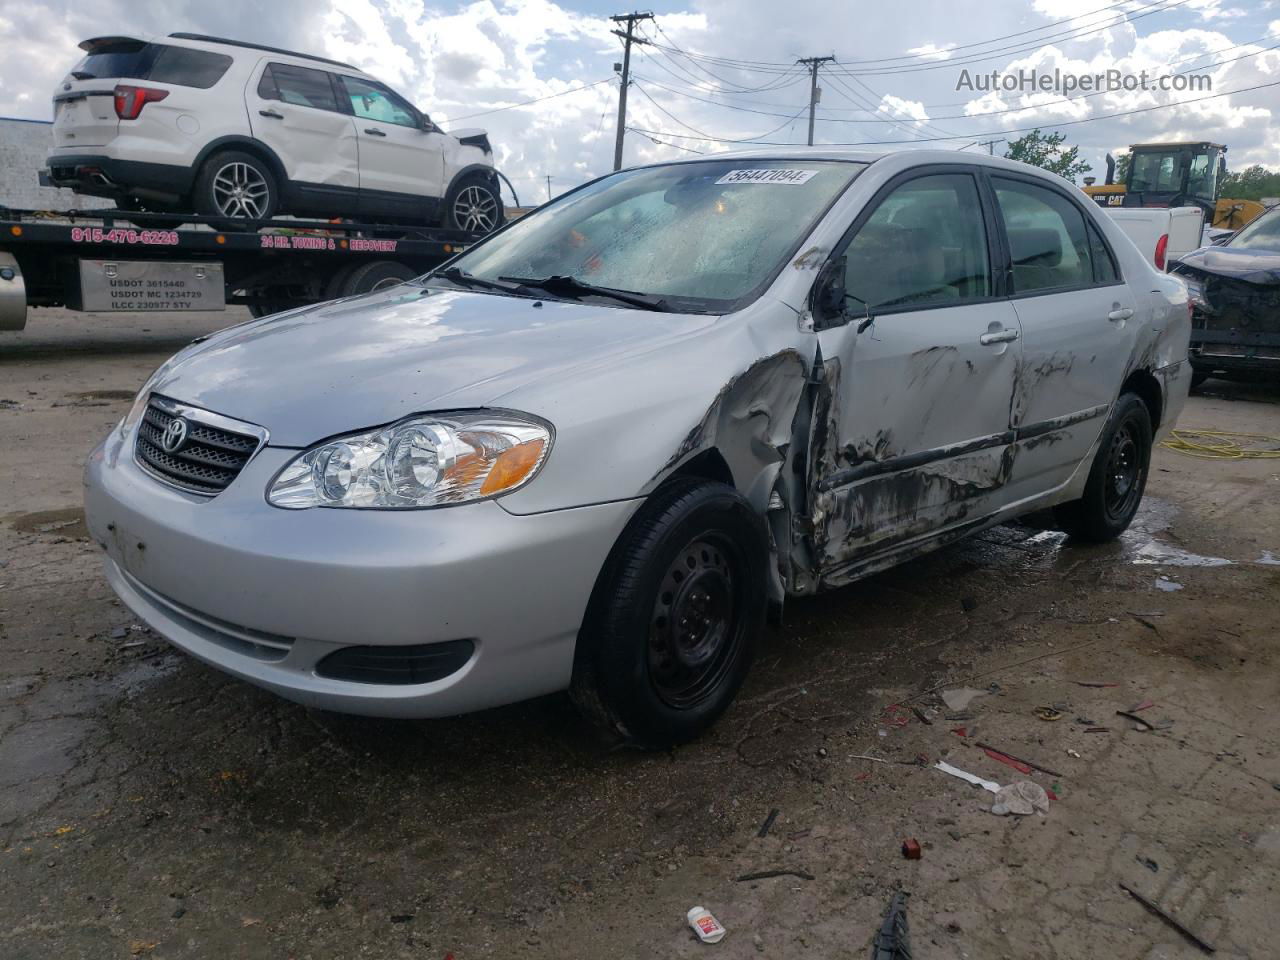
131 100
1162 245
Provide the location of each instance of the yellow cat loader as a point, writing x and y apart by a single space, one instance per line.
1175 175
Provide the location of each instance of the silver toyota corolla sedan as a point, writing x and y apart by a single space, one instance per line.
589 452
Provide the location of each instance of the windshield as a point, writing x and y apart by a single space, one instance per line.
1261 234
1161 172
702 236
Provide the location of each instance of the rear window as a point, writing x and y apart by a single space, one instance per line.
158 62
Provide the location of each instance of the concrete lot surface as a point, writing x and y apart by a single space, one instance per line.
151 807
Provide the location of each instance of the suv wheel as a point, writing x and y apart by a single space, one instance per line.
1117 478
474 205
671 628
238 186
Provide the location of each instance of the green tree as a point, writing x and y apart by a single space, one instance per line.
1251 183
1046 150
1122 166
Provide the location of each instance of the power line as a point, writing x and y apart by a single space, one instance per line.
513 106
813 63
1065 123
663 143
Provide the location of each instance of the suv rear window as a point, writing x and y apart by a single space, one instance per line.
133 60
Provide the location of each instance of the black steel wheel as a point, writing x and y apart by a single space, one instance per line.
1117 477
671 628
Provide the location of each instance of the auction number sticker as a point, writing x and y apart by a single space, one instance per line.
788 176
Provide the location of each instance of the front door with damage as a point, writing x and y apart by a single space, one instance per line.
911 427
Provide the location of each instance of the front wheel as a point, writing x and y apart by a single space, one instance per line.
672 625
1117 478
474 205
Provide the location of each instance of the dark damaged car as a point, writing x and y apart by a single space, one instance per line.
589 452
1235 290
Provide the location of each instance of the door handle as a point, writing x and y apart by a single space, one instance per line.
1124 313
271 113
374 132
1000 336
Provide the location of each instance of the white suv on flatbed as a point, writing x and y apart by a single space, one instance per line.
189 123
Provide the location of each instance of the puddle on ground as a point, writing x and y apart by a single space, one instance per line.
1268 559
1166 554
1167 585
65 522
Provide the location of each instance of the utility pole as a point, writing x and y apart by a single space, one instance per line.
548 187
813 63
990 145
628 38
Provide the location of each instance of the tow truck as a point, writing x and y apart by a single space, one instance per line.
125 262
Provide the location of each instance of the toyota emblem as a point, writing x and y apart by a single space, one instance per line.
175 435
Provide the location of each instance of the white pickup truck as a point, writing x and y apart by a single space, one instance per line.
1163 234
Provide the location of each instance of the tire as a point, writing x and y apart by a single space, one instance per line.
696 550
474 205
1117 478
368 277
215 193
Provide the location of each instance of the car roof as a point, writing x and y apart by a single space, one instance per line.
223 41
200 41
859 154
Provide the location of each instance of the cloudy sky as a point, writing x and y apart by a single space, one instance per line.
719 71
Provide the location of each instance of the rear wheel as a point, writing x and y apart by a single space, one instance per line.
474 205
378 275
237 186
672 625
1117 478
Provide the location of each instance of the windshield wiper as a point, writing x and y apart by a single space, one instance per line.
575 288
463 279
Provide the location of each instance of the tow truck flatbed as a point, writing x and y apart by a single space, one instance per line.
127 262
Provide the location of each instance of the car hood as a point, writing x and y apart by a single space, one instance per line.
312 373
1253 266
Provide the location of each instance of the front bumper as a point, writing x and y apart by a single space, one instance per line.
265 594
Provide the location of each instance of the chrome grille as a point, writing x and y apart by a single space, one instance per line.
209 456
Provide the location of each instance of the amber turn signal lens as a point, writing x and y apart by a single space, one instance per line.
513 466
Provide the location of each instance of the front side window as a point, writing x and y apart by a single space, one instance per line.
372 102
925 245
297 85
706 235
1048 243
1161 172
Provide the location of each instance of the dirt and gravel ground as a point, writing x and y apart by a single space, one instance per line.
150 807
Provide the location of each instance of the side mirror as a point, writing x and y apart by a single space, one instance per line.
829 295
426 124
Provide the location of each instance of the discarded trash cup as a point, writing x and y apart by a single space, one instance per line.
911 848
706 926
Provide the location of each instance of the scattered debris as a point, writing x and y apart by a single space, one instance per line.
960 731
1048 713
1030 763
706 926
891 941
1007 760
1144 723
766 874
911 849
1149 864
139 947
1167 585
768 823
1150 905
969 604
1072 753
119 633
800 834
945 767
894 716
863 756
921 716
1095 683
960 698
1021 798
1097 729
1145 704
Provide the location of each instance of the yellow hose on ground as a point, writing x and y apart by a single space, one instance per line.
1223 445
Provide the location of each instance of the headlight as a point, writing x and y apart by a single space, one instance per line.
424 461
